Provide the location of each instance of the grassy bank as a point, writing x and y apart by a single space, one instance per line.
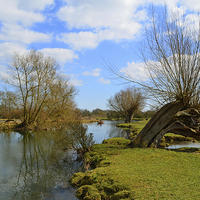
6 124
139 124
132 173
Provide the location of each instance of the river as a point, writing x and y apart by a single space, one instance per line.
32 168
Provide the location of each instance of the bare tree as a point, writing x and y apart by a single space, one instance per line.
171 54
8 105
126 102
42 92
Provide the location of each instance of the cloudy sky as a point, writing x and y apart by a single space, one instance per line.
81 34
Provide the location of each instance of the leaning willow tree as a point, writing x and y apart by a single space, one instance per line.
171 55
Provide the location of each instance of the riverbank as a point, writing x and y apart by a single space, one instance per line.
6 124
137 125
136 173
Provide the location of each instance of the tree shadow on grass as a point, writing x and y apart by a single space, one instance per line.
186 150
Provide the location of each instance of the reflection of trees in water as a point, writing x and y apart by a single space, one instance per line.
118 132
42 167
6 136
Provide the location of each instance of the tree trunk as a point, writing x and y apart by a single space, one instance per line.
185 123
157 124
129 118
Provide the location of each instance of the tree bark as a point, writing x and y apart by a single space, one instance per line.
157 124
185 123
129 117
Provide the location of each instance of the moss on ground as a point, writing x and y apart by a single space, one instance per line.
88 192
136 173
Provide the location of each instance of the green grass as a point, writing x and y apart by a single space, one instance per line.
136 126
139 125
136 173
125 125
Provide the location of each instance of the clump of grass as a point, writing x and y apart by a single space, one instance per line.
116 141
88 192
125 125
170 137
136 173
139 125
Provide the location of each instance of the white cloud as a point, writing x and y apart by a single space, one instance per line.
10 12
34 5
61 55
106 20
116 20
192 4
4 75
8 49
80 40
136 71
102 80
3 71
13 32
95 72
73 80
89 39
97 14
16 20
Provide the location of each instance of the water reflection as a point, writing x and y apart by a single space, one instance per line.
31 168
107 130
180 144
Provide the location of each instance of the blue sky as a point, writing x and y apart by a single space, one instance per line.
81 34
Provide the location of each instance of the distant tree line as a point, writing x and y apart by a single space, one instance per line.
96 112
110 114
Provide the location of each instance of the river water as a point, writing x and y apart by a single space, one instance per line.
105 131
32 168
